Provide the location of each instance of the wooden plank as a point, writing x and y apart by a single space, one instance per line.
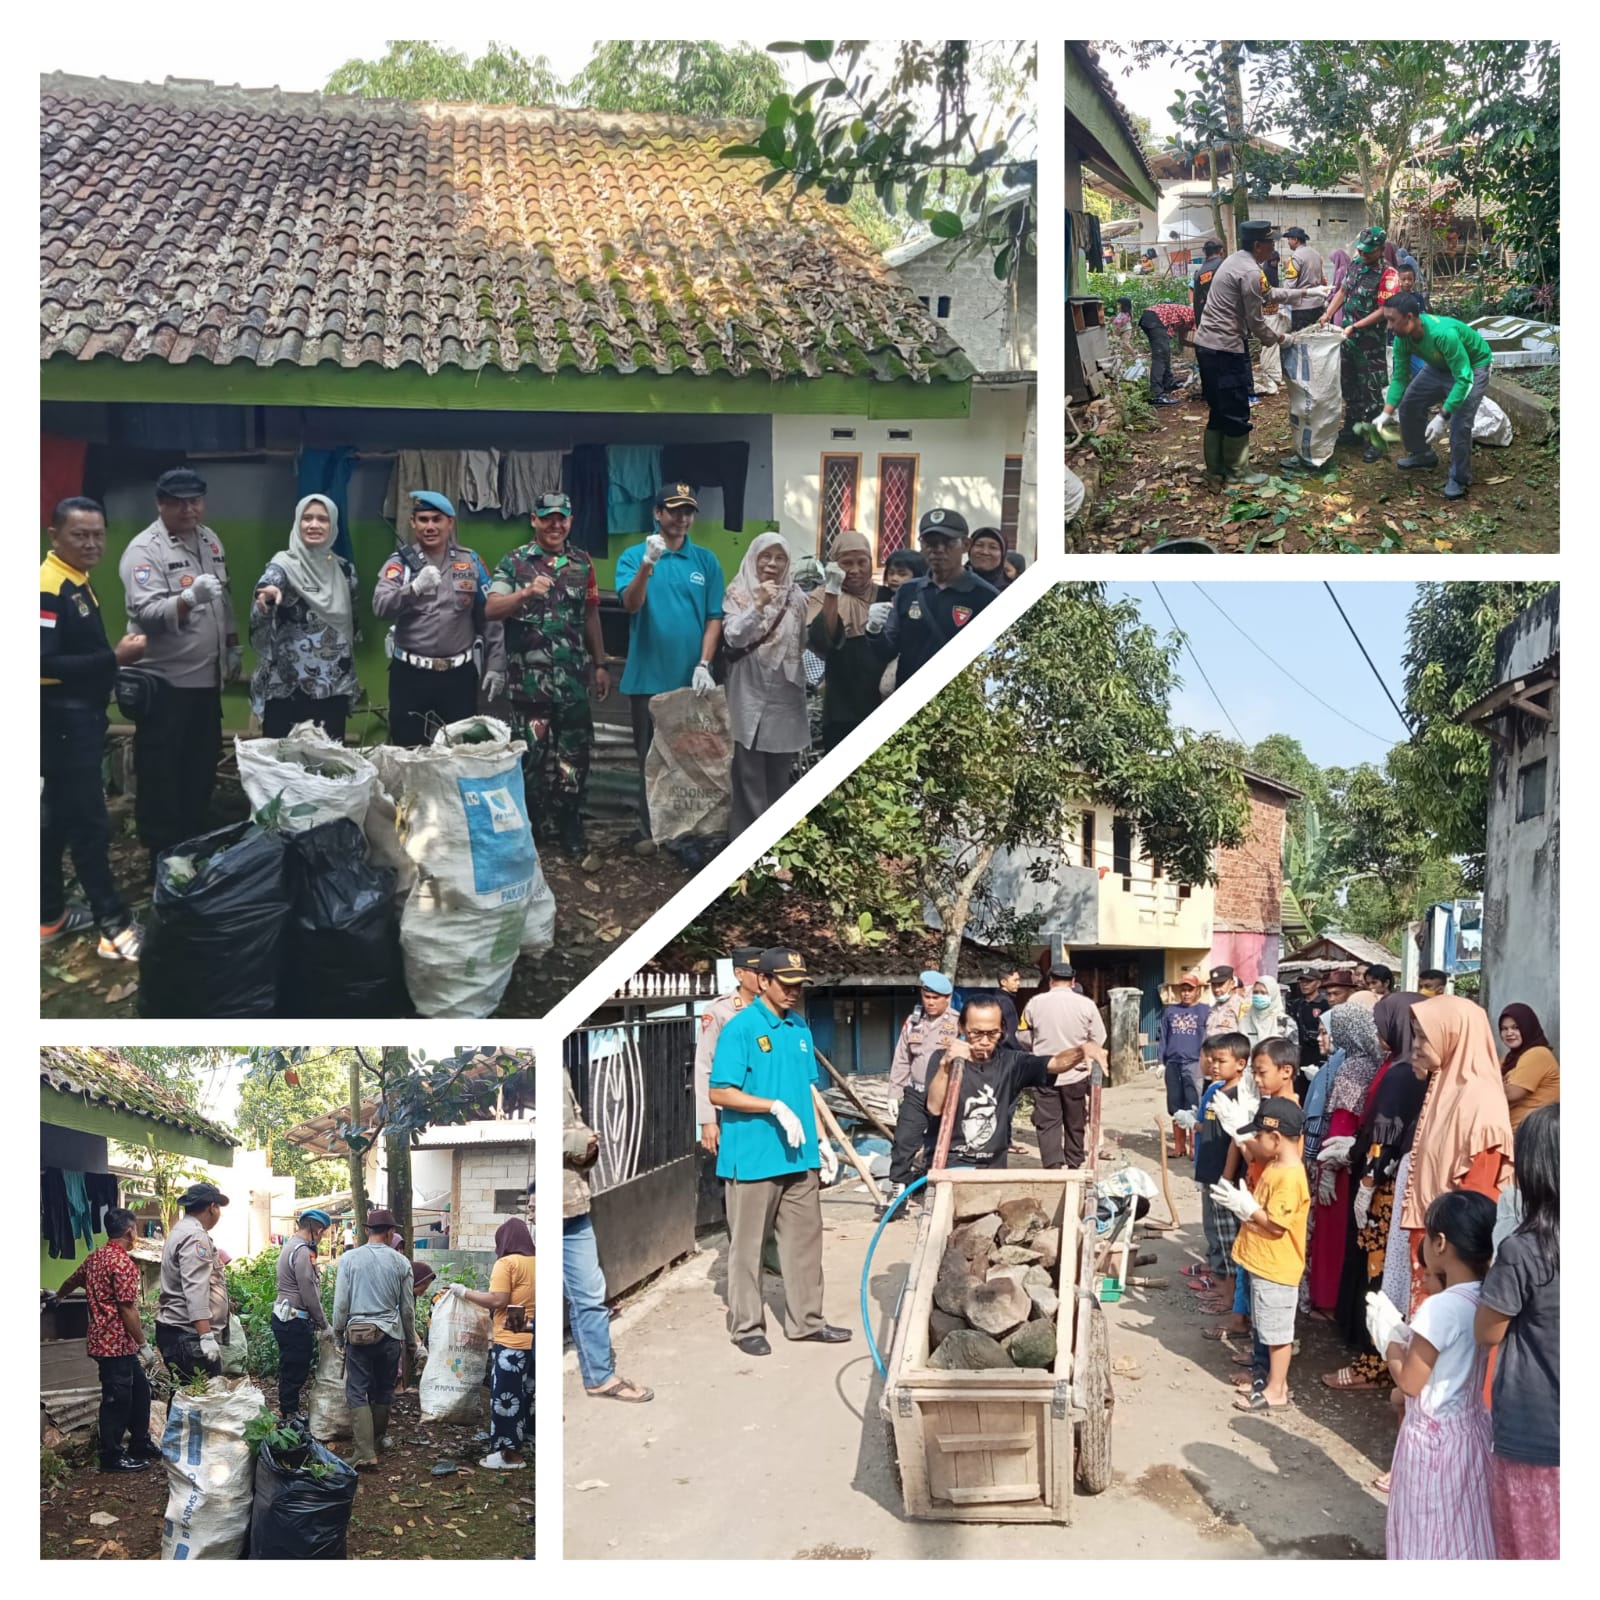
992 1494
830 1122
843 1084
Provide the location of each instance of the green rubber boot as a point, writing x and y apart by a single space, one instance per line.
1214 469
365 1453
380 1429
1236 459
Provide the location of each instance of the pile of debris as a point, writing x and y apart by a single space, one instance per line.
997 1293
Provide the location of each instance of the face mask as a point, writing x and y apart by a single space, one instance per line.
1260 1001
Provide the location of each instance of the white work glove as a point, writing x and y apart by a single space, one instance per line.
209 1347
458 1291
1230 1113
1184 1119
833 578
793 1134
494 685
1437 428
1382 417
878 615
235 665
1363 1204
830 1163
1235 1198
147 1355
702 682
894 1102
206 588
1311 1071
1336 1152
654 548
1327 1184
427 580
1385 1324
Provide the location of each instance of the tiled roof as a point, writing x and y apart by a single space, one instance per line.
109 1077
187 222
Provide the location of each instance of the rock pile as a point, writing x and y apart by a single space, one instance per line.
995 1298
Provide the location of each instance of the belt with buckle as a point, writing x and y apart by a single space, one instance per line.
433 663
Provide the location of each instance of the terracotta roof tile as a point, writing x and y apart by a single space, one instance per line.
258 226
108 1076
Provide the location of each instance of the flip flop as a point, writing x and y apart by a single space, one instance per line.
1217 1334
1200 1285
1196 1269
1345 1378
1242 1360
1257 1401
618 1391
1380 1483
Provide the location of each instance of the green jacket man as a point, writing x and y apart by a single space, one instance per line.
1454 375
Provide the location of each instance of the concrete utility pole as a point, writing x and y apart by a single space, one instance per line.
1127 1061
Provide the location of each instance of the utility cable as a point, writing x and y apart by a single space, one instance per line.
1221 703
1404 723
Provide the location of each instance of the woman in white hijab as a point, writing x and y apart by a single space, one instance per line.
303 629
763 636
1263 1016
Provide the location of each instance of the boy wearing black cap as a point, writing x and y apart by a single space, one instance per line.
928 613
1271 1245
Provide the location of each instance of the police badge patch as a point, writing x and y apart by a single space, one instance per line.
141 576
961 615
914 612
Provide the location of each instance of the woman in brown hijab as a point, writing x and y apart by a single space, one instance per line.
836 618
510 1297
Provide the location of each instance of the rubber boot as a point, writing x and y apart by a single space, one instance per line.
380 1428
569 833
1213 447
1236 459
365 1453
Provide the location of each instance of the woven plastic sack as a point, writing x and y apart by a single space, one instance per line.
210 1472
1316 405
314 779
451 1388
327 1409
687 774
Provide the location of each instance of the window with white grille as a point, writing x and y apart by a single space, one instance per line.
841 496
897 504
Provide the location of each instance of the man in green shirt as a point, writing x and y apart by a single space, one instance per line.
1456 366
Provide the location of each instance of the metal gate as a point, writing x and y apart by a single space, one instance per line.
635 1083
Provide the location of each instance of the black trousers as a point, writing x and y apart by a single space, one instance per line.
279 716
915 1133
124 1407
180 1349
370 1372
1160 361
644 733
175 754
1225 382
296 1345
422 702
72 742
1060 1116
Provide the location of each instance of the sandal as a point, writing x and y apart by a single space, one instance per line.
1223 1331
1200 1284
1248 1383
1381 1483
1242 1359
1347 1378
624 1390
1257 1401
1196 1269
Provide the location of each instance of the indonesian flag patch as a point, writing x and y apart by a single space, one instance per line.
961 615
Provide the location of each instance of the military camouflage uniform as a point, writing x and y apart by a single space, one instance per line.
548 675
1363 371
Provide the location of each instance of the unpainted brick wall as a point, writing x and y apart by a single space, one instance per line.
1250 877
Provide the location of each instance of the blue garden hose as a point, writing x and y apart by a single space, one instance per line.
866 1320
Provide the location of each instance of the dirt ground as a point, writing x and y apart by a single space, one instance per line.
785 1457
1348 506
401 1511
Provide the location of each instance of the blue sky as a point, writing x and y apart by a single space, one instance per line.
1295 623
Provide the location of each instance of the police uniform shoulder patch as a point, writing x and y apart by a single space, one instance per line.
141 576
392 570
914 612
961 615
764 1044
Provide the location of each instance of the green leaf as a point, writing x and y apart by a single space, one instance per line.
945 225
858 130
772 144
785 47
819 49
740 152
1002 262
778 111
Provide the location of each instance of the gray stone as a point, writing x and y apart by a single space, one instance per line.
1033 1345
1037 1278
1048 1244
1017 1275
1021 1219
1046 1302
997 1307
955 1282
940 1326
1014 1255
1532 416
976 1240
966 1350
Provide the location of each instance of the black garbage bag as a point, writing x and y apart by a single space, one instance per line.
343 957
214 942
302 1504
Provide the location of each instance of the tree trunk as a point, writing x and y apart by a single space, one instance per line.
397 1149
1233 93
1127 1064
953 913
358 1178
1216 202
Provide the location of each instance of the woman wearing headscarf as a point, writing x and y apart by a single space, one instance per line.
1463 1138
1338 266
1264 1017
1350 1028
1387 1125
763 635
1531 1074
986 556
510 1297
1016 564
303 628
836 630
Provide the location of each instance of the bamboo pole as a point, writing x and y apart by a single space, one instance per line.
854 1099
831 1124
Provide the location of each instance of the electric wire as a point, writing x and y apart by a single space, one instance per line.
1221 703
1404 723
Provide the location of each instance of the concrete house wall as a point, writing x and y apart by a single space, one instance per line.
480 1172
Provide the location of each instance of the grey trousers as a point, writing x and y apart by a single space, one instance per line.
790 1207
1429 388
644 733
759 778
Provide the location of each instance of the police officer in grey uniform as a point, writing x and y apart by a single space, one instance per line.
175 581
442 639
192 1313
744 957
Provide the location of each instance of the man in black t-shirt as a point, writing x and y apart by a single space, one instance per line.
928 613
992 1076
1200 284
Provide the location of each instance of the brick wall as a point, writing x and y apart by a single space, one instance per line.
1250 877
480 1173
978 321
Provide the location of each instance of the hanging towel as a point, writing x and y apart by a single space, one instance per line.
327 472
633 476
524 476
481 480
725 464
441 470
78 1213
55 1221
586 487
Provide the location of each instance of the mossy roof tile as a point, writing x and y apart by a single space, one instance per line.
109 1077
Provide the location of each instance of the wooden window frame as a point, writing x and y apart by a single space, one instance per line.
915 458
822 488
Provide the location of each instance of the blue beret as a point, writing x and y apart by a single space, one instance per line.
937 982
433 499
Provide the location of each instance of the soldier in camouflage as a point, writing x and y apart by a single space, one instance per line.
545 593
1363 371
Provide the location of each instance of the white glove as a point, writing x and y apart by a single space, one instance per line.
458 1290
1312 1070
1363 1204
1229 1112
427 580
793 1134
1336 1152
494 685
894 1103
702 682
1385 1324
1437 427
1184 1119
1381 418
833 578
206 588
654 548
878 615
830 1163
147 1355
1234 1198
209 1347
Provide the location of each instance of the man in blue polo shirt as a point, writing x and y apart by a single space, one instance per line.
672 592
761 1082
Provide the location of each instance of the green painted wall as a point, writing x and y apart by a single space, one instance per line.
52 1273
